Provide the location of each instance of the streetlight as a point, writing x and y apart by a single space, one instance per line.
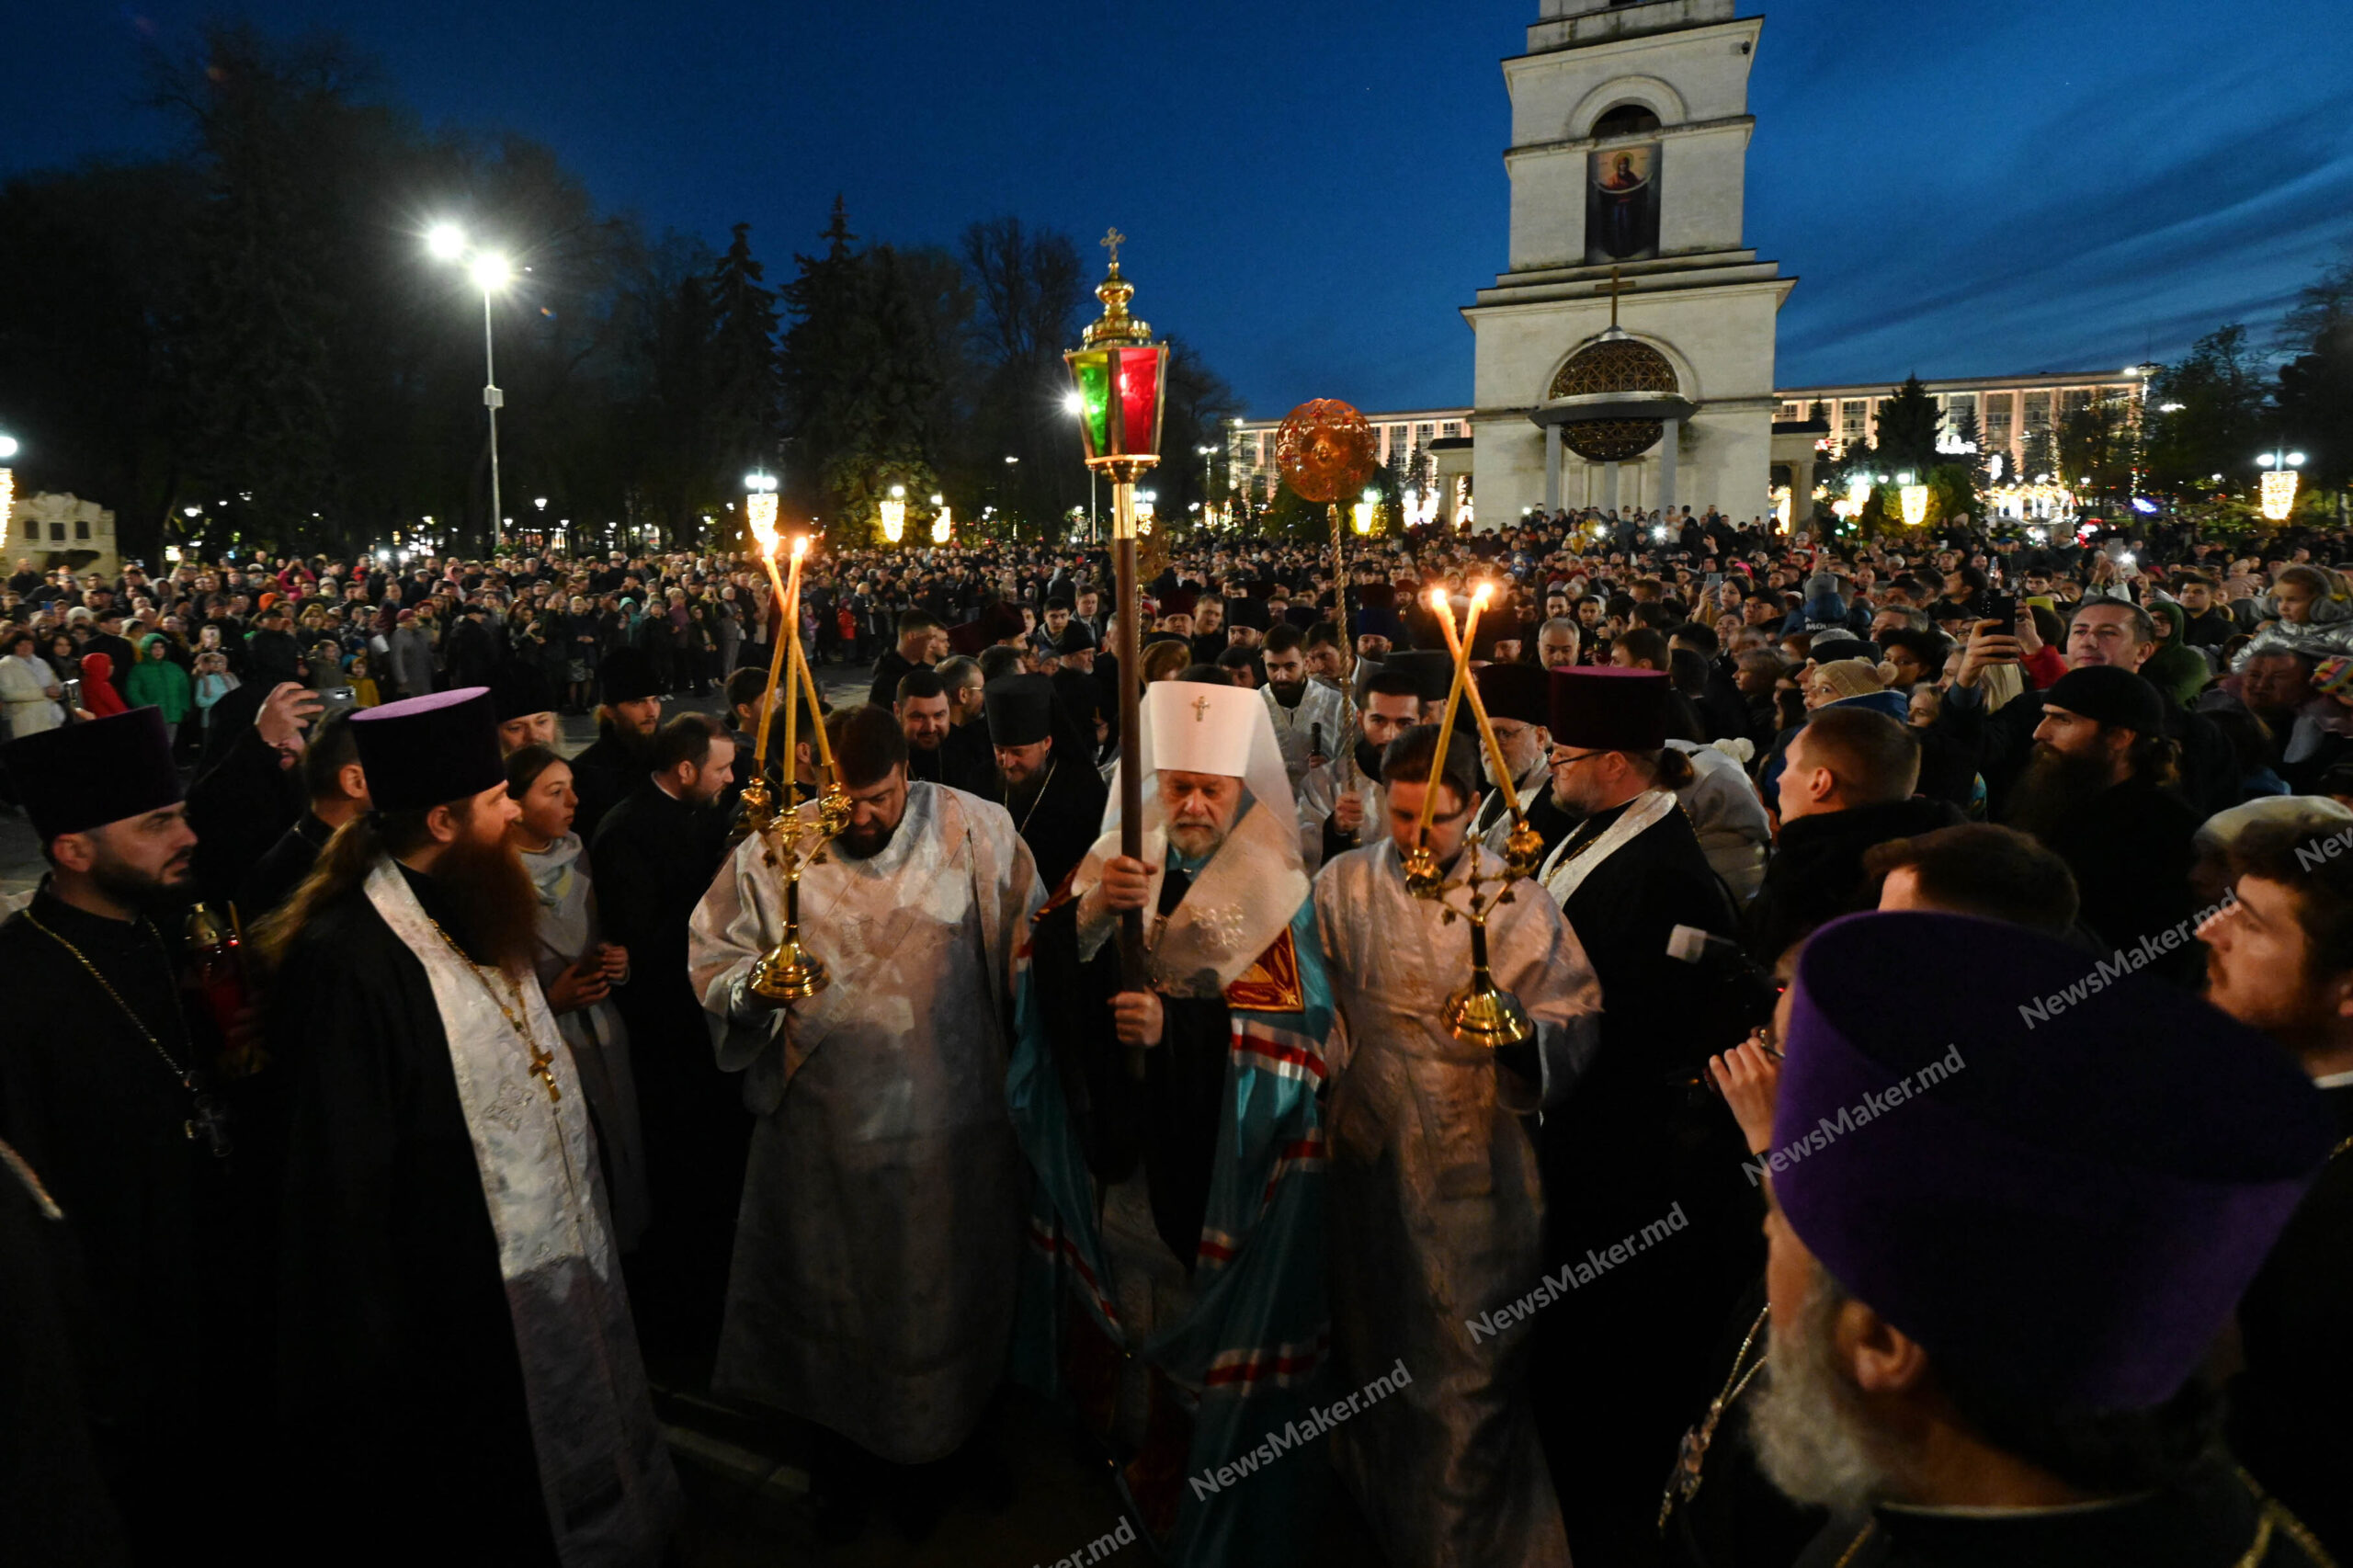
1076 406
491 273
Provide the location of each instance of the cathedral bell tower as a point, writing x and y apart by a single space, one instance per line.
1626 359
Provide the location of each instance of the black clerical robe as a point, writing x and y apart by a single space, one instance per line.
401 1390
273 881
2214 1520
653 861
603 776
53 1506
1621 1362
1062 819
170 1248
1168 1121
2290 1406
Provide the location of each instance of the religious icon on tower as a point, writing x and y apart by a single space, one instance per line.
1621 204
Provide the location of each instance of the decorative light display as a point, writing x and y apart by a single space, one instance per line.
894 508
2280 494
759 503
1915 505
1360 516
943 525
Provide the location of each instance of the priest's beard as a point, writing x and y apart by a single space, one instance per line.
1806 1428
864 842
2054 784
1285 693
490 897
159 895
1369 757
636 749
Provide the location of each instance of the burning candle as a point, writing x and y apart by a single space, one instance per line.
1486 727
767 536
1453 698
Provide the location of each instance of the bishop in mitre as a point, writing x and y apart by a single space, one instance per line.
1176 1243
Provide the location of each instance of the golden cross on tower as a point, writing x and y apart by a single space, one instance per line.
1112 241
1201 710
1614 288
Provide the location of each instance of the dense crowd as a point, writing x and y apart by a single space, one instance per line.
1923 1137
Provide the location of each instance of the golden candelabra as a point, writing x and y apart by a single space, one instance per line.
1480 1012
789 971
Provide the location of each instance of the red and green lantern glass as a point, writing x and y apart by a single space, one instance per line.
1122 390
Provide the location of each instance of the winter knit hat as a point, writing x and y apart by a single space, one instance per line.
1849 677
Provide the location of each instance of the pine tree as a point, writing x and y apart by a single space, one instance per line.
746 389
1908 424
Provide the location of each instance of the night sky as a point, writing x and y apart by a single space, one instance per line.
1312 190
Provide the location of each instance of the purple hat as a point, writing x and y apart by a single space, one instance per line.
2058 1181
425 751
1605 709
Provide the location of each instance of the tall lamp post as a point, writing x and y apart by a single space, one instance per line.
491 273
1122 378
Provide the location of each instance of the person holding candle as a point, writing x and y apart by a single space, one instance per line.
872 1284
1436 1210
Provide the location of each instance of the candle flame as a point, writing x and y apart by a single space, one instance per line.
1479 596
765 534
1438 599
800 546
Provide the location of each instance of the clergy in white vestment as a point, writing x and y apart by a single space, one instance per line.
1310 719
873 1283
1340 801
1436 1201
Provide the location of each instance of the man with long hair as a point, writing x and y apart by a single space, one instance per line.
453 1332
882 1310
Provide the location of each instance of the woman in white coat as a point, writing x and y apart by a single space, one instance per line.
28 688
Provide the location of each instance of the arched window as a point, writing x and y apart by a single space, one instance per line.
1626 119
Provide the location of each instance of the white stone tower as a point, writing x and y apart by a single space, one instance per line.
1627 161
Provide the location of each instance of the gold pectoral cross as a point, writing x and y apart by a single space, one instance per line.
543 1069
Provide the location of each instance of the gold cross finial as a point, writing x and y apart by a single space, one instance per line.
1201 710
1614 289
1112 241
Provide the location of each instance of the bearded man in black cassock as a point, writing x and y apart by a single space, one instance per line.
454 1334
104 1091
1639 1142
1044 776
614 764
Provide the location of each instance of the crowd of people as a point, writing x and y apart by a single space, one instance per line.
1920 1132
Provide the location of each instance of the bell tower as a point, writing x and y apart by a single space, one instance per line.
1629 131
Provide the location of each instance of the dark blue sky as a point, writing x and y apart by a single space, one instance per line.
1311 188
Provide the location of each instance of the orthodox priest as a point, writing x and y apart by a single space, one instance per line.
1519 706
1045 774
1175 1287
107 1090
873 1284
615 763
454 1335
1437 1207
1620 1359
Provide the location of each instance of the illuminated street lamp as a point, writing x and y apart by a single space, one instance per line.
894 508
1361 515
491 273
759 503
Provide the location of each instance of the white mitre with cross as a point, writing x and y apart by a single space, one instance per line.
1248 892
